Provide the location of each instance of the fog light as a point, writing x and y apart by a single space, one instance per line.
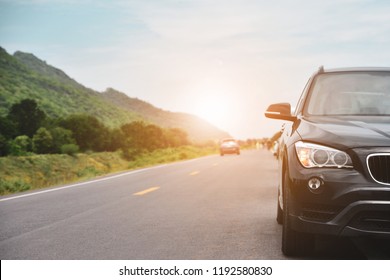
315 184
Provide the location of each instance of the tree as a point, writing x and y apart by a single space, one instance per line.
134 134
3 146
88 131
42 141
116 140
61 137
141 136
7 128
27 117
153 138
176 137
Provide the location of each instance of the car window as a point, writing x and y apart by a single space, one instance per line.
229 141
350 93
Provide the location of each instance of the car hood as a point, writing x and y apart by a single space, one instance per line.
346 132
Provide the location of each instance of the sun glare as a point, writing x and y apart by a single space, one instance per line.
213 109
214 105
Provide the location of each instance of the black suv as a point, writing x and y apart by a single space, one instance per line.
334 158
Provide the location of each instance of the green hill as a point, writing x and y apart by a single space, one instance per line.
197 128
23 75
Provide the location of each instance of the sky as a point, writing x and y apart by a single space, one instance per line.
222 60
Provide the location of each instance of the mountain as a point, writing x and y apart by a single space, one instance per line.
198 128
23 75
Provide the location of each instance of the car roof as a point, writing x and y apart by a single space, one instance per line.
228 139
354 69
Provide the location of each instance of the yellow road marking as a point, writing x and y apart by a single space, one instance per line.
194 173
146 191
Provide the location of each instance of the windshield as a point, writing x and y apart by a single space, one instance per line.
350 93
229 142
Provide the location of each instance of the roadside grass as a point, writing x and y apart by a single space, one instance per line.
18 174
169 155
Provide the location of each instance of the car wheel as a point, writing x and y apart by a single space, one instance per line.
294 243
279 214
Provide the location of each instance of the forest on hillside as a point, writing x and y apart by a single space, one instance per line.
27 129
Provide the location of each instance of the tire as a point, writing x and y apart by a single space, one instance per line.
279 214
294 243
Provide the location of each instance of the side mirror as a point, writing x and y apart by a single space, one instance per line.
280 111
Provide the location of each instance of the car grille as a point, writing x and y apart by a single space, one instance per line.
318 212
379 167
372 221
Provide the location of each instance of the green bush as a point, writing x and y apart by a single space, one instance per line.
130 154
42 141
183 155
61 136
89 172
69 149
20 146
13 186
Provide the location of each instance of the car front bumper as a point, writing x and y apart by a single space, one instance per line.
232 150
348 203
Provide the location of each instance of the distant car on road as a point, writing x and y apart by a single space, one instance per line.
334 158
229 146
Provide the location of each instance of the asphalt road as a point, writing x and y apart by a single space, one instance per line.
209 208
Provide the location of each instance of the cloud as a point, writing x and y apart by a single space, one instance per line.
161 50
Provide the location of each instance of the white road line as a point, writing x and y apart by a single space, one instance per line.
82 183
97 180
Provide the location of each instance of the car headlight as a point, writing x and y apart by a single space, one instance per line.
312 155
